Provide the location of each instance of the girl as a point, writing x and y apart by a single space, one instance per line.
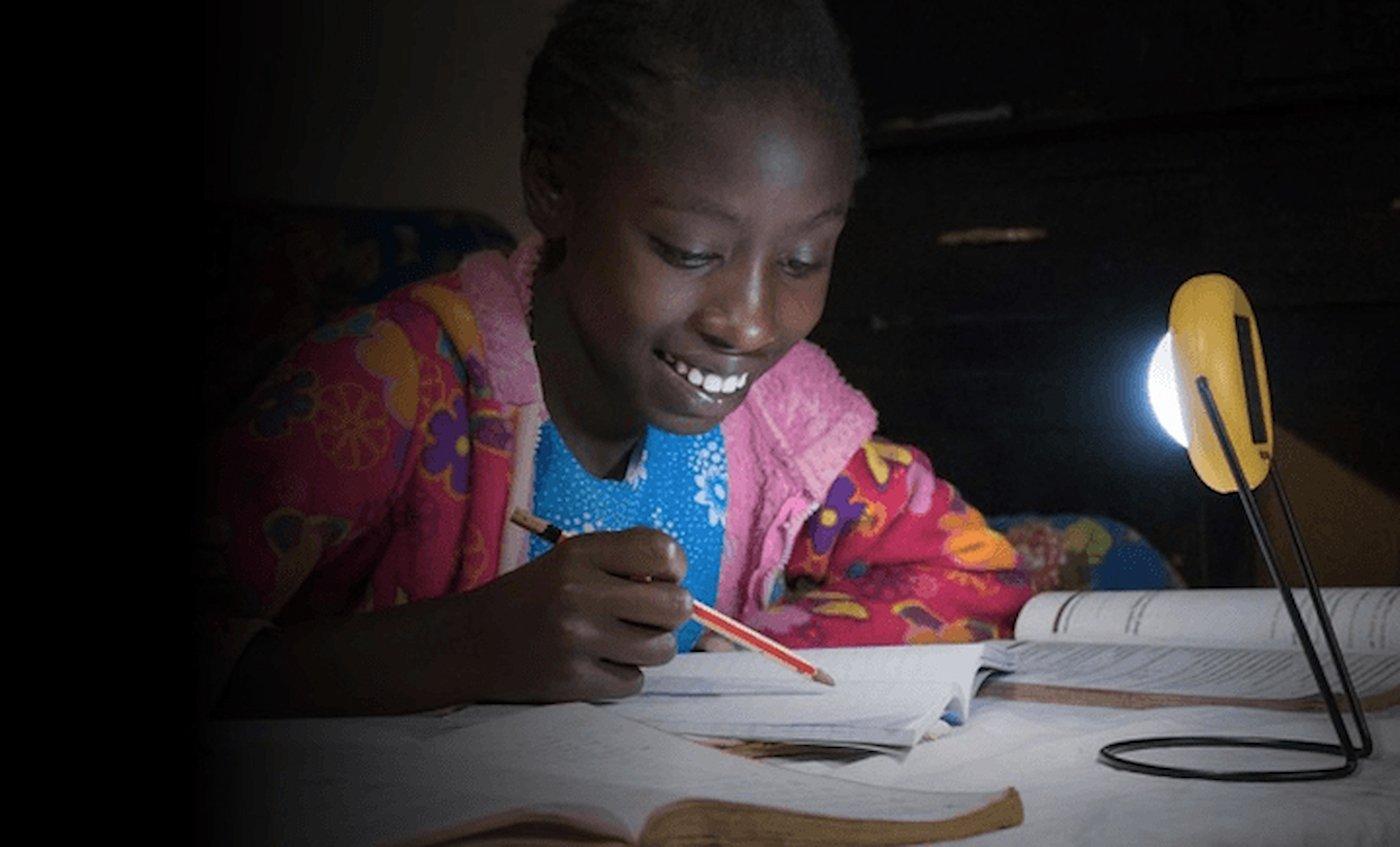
636 374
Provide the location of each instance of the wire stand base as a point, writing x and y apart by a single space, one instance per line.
1110 756
1351 752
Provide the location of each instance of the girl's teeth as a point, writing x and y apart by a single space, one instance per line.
710 383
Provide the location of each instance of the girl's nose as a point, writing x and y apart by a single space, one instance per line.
739 317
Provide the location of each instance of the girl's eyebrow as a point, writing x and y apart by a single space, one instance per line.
706 208
697 206
835 210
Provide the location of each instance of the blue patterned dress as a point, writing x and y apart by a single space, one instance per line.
678 484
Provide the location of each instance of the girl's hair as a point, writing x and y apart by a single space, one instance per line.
618 64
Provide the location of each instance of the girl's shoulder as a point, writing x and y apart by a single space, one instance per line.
476 314
803 416
805 392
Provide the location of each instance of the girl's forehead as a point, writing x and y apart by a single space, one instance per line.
737 114
783 143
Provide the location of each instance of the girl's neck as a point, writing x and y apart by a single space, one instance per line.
599 433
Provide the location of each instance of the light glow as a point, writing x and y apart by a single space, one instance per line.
1162 391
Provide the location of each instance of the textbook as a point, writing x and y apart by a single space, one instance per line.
570 772
886 699
1142 649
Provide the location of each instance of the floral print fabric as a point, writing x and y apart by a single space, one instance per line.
1086 552
368 471
895 556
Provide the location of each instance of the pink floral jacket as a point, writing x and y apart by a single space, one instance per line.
378 464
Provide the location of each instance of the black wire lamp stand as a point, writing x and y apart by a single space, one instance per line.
1351 752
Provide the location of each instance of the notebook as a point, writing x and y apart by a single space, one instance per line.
885 698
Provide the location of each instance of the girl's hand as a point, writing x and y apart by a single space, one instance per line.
575 624
579 622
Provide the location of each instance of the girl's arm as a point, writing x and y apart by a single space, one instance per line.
573 624
304 475
895 556
309 492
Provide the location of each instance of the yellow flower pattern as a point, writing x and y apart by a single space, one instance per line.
350 427
387 354
878 455
457 319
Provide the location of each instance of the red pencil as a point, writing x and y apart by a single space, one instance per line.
706 616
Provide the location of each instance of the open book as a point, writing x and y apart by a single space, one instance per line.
1141 649
885 699
547 774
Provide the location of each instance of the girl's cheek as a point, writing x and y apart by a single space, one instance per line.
800 309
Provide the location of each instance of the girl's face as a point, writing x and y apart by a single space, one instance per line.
690 270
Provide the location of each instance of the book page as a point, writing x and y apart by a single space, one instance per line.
1215 672
630 769
884 696
878 713
1366 620
573 761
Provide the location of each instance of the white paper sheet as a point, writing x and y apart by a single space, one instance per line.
885 696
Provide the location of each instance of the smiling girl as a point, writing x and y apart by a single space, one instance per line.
635 373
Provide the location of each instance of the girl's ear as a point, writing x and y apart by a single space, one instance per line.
546 200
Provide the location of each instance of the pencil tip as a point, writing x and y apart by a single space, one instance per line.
823 677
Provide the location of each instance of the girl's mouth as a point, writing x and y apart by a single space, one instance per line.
713 384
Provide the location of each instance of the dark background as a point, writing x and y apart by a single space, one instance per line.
1151 142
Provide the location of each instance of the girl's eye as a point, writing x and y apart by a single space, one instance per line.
799 268
684 259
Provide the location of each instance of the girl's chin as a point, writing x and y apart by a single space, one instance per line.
694 417
687 424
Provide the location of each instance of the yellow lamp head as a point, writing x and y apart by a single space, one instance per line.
1213 334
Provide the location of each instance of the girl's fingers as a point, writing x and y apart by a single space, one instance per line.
646 555
664 605
613 681
629 644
